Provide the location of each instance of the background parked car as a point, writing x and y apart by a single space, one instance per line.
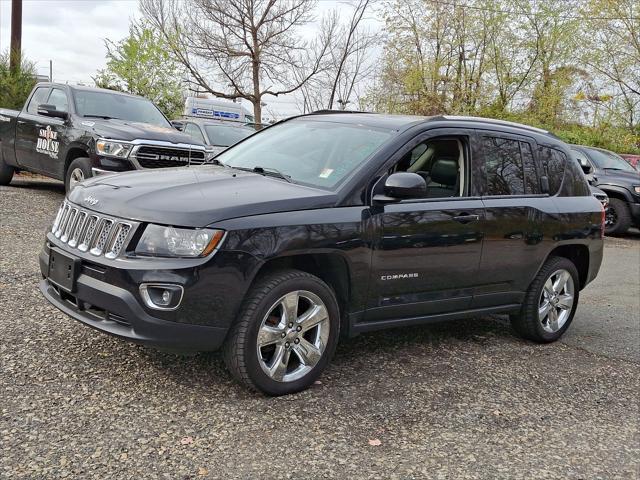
71 133
219 135
634 160
602 197
618 179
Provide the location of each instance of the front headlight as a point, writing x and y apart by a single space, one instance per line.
113 149
159 241
636 188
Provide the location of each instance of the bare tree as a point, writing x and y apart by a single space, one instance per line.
347 63
240 48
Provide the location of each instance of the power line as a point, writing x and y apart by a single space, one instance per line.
522 14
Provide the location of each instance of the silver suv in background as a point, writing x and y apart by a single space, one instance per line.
218 135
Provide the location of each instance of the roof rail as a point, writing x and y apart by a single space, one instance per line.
497 122
325 111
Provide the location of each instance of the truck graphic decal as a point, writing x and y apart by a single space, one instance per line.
48 142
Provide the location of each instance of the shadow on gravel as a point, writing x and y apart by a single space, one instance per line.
42 185
206 371
631 234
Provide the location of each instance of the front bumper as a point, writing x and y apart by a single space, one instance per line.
113 308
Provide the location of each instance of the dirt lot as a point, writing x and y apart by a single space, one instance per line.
452 401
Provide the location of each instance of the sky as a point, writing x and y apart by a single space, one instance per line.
71 34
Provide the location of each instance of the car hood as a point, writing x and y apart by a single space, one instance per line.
194 196
618 176
128 131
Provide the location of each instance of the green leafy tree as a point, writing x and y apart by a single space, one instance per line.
141 64
15 86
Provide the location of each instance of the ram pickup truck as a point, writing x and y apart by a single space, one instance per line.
71 133
326 225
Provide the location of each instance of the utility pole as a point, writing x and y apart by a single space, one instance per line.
51 70
15 53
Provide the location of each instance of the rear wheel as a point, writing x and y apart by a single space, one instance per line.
6 172
550 302
78 171
618 218
286 334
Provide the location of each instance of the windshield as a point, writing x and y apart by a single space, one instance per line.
123 107
311 152
225 136
605 159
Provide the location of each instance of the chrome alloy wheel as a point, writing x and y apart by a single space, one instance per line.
556 301
77 176
293 336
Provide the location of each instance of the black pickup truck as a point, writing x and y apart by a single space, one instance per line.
330 224
619 180
71 133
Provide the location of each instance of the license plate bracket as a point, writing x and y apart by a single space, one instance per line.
63 270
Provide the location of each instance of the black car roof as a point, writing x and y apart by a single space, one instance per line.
403 122
87 88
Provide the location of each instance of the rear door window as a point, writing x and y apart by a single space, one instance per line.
503 166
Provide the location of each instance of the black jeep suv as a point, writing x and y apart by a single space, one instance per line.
620 181
329 224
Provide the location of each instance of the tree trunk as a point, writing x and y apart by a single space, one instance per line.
15 49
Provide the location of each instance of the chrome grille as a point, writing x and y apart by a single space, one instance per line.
117 242
104 230
88 231
160 156
80 221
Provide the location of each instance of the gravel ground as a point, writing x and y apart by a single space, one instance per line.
452 401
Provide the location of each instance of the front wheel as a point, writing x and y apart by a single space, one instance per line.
6 172
286 334
550 302
78 171
617 218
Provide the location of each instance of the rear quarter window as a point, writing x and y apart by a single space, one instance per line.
564 174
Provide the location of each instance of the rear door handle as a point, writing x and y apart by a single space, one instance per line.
466 218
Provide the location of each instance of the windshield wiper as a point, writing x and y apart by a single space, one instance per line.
106 117
266 171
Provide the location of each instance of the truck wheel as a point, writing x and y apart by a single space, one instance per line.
285 335
618 217
550 302
79 170
6 173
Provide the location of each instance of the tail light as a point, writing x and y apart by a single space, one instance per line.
603 217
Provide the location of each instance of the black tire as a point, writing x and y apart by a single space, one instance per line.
527 323
240 349
82 164
619 216
6 172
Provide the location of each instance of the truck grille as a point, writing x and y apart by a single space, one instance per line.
161 157
88 231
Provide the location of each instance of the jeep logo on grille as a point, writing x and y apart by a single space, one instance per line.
91 200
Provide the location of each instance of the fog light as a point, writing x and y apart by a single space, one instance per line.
161 296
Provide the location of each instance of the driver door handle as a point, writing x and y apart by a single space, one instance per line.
464 218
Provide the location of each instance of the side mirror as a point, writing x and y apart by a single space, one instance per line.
584 164
51 111
178 125
403 185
